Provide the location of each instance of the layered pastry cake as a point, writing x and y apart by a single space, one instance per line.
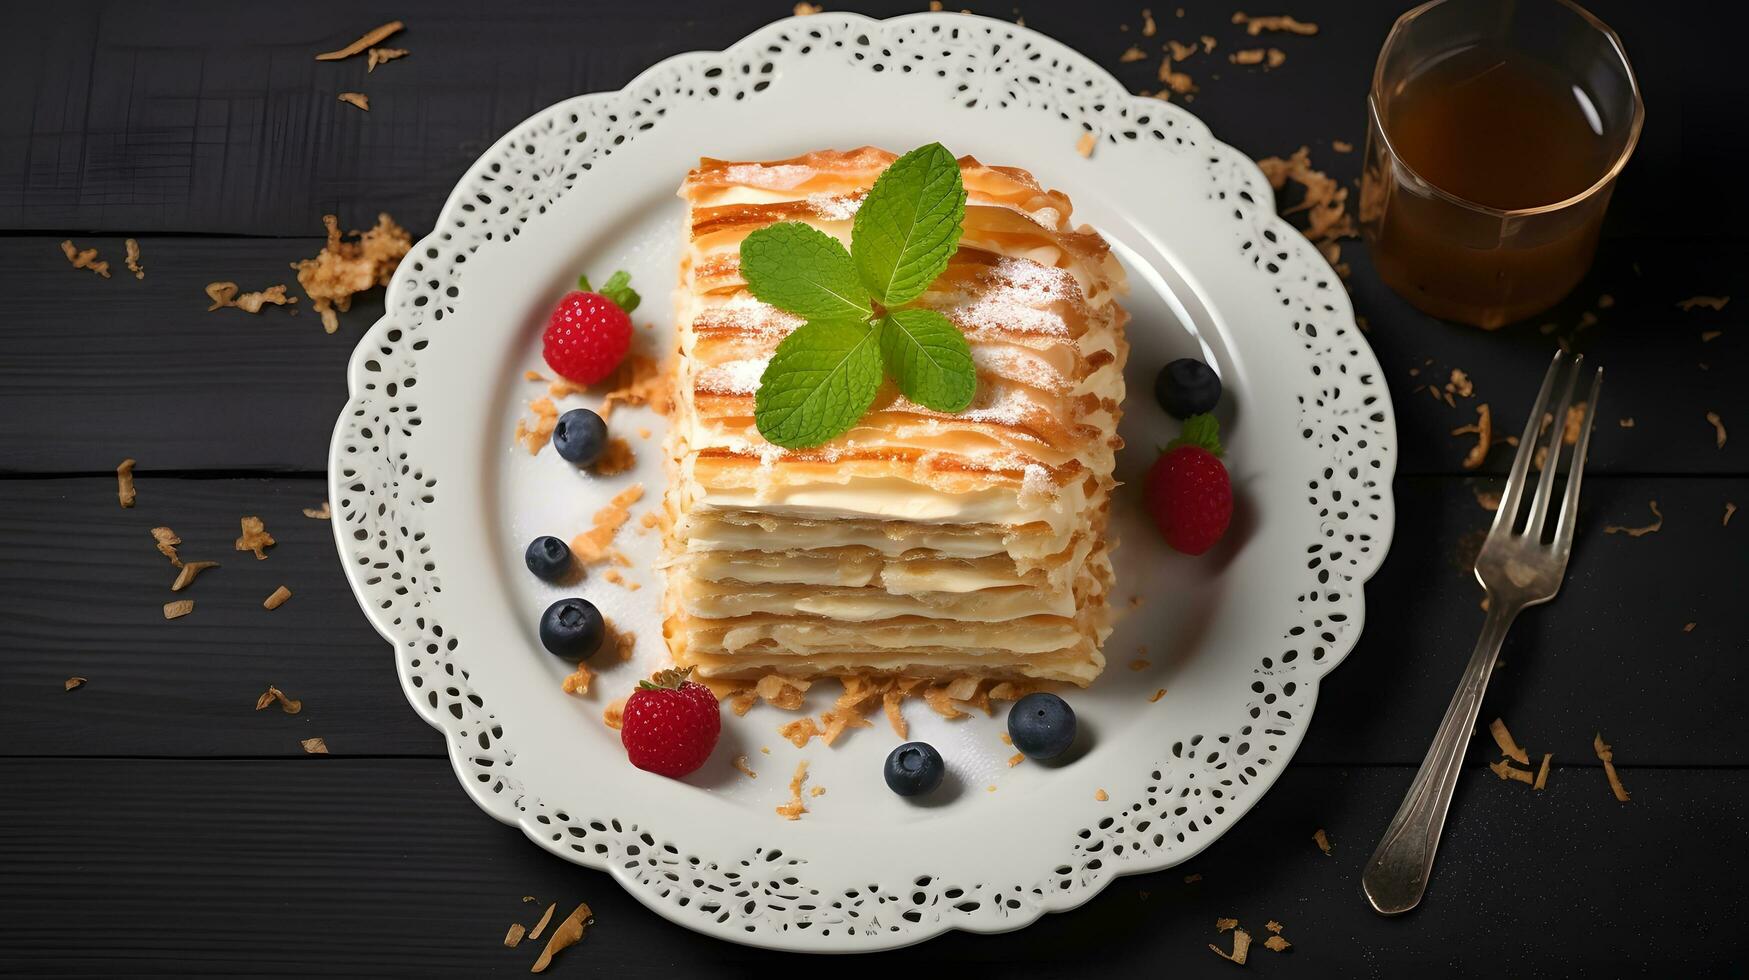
919 544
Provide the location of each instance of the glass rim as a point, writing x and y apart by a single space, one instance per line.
1615 168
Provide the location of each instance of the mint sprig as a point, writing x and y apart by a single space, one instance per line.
826 374
819 382
929 359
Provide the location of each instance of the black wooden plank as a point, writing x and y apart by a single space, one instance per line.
81 588
379 867
94 370
148 364
81 593
217 119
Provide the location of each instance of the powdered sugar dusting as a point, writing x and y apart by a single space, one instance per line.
833 207
744 313
1017 295
740 377
1035 481
1018 364
777 177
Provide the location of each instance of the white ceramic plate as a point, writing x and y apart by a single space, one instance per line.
433 504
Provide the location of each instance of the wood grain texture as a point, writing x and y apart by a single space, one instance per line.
235 869
153 823
81 586
215 118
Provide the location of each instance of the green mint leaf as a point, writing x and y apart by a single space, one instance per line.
819 382
929 359
1200 430
799 268
619 289
909 225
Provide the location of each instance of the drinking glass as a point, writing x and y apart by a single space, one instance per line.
1460 259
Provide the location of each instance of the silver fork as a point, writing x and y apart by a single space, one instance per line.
1516 569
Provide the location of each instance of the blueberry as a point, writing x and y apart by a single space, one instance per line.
914 768
1041 725
580 436
548 558
1186 387
572 628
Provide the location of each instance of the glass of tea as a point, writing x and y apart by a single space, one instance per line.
1497 129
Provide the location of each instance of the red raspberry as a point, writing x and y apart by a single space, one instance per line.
670 724
586 337
1191 498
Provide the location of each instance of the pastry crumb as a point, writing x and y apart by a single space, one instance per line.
1241 946
344 269
1101 795
254 538
1483 429
594 545
382 56
743 767
1257 25
277 599
167 541
1507 771
1322 840
1016 759
565 935
73 683
1508 747
272 695
186 576
513 935
358 99
1634 532
369 40
1085 144
85 259
1718 429
1157 695
321 513
613 716
1542 773
794 809
314 746
133 258
1730 509
616 457
1714 303
178 609
1607 755
124 483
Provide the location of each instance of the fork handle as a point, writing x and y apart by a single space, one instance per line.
1396 874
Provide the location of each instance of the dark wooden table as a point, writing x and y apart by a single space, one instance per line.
153 822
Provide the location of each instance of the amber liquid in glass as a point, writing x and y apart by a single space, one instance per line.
1508 133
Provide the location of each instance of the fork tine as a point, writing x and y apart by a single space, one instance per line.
1545 484
1575 470
1507 512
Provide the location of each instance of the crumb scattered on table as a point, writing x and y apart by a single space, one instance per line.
1634 532
1607 755
370 39
124 482
85 259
